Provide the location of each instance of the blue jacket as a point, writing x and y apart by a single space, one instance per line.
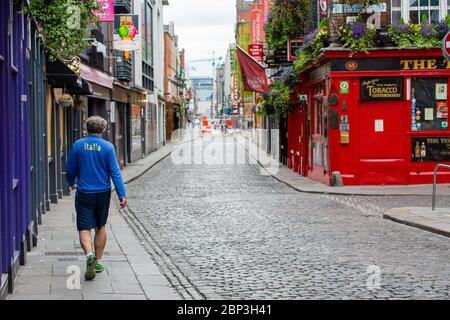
92 163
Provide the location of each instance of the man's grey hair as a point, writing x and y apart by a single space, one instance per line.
96 125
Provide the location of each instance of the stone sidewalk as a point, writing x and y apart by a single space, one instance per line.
304 184
130 272
424 218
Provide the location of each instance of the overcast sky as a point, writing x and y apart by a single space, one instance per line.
202 26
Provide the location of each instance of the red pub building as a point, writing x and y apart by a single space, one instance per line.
372 119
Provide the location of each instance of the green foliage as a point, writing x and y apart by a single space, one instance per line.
281 98
314 42
303 60
447 20
64 24
357 37
265 107
278 102
288 19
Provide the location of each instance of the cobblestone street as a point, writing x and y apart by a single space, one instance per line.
233 233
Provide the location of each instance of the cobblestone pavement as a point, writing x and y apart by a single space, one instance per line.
233 233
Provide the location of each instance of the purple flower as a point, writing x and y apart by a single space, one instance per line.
442 29
309 39
427 29
358 29
403 27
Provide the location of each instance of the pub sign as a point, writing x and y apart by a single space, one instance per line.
381 88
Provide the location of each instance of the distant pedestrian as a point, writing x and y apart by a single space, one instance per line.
91 165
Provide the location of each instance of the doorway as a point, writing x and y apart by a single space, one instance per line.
381 143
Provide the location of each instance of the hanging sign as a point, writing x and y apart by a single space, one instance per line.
257 52
108 11
126 32
381 88
294 44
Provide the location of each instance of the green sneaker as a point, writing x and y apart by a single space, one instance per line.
91 263
99 267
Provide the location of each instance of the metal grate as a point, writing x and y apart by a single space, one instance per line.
64 253
67 259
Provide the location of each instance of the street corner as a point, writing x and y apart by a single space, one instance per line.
436 221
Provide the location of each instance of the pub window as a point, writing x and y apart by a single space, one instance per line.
396 11
429 109
414 10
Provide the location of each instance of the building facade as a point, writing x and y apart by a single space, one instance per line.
172 80
45 103
373 119
203 95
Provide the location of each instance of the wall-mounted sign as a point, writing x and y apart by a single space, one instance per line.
392 63
303 98
126 32
430 149
344 87
356 8
344 127
381 88
257 52
108 11
345 137
294 44
274 59
351 65
379 125
323 9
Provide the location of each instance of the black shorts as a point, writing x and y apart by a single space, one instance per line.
92 209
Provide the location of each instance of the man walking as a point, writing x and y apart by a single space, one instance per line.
91 165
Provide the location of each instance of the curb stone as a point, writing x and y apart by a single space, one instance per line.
326 192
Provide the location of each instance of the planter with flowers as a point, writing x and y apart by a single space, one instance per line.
265 107
425 35
357 36
313 43
64 24
281 98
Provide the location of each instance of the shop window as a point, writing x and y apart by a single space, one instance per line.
429 109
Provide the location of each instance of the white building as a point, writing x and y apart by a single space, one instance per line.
227 75
149 69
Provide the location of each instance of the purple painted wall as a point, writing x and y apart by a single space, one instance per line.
14 142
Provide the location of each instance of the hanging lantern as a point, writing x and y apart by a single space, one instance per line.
66 100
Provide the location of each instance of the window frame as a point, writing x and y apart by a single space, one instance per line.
405 9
